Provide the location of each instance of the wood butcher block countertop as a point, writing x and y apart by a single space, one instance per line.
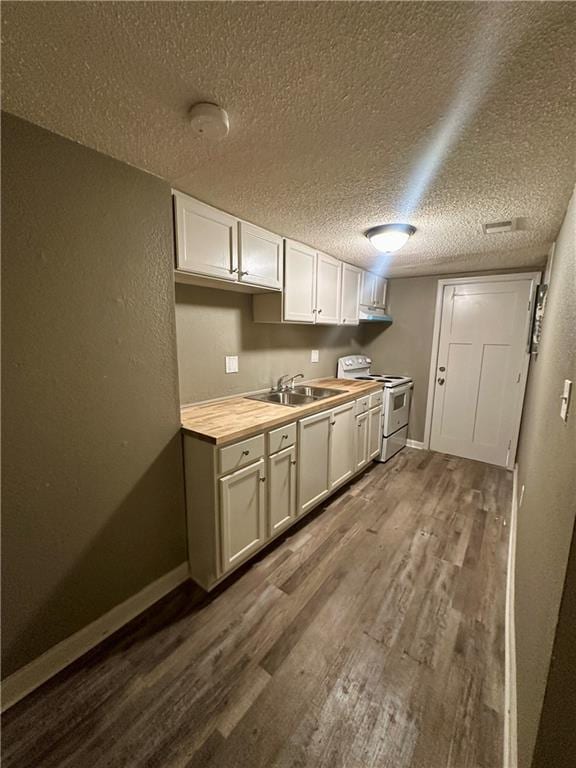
223 421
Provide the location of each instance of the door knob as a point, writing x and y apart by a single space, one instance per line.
441 381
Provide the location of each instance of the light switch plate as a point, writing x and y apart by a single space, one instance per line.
231 363
565 399
315 356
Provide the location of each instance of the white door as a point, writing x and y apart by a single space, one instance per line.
259 256
368 285
374 432
206 239
242 513
481 368
341 444
281 489
313 460
299 283
328 276
350 304
362 426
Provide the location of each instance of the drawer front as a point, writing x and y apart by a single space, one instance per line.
362 405
233 457
281 438
376 398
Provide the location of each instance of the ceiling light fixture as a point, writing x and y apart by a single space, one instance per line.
388 238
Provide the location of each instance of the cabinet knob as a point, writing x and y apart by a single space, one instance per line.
233 270
243 273
319 311
262 479
333 423
284 437
245 453
343 320
293 461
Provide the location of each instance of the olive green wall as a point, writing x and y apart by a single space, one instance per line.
547 471
92 483
212 324
405 346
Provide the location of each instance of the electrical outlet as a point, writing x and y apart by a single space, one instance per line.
315 356
232 364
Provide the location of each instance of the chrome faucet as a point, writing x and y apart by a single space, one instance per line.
287 382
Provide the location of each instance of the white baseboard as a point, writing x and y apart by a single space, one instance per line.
415 444
510 714
26 679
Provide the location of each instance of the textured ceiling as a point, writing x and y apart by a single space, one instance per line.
343 115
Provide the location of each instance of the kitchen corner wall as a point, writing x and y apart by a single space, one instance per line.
405 346
545 587
212 324
93 506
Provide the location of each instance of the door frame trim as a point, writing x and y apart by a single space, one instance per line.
442 283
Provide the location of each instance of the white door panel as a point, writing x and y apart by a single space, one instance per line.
481 356
259 256
313 460
341 444
299 283
328 274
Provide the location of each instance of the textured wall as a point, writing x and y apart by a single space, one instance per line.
547 470
211 324
92 485
405 346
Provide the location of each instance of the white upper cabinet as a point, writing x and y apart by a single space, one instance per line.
350 300
328 281
373 293
367 293
206 239
299 283
259 256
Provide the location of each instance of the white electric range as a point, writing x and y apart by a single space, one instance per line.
396 401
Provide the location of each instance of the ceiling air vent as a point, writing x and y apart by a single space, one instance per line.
497 227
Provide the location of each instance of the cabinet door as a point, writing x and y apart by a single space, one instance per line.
206 239
380 287
259 256
374 432
342 444
368 285
362 440
328 279
281 489
313 460
299 283
349 306
242 513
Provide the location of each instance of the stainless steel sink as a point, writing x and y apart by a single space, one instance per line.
298 396
318 393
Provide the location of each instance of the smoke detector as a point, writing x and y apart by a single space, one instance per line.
498 227
209 120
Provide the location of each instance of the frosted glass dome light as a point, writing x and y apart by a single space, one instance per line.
390 237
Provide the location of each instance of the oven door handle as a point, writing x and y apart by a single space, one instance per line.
399 390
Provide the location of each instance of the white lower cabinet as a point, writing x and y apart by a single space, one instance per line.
242 494
313 460
281 490
374 432
242 513
362 426
341 444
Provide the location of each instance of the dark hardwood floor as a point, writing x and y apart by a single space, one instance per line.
370 636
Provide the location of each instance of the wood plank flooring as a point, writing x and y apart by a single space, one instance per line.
371 636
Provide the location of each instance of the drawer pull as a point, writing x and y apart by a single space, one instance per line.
245 453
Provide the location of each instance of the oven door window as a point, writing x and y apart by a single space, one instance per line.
399 401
